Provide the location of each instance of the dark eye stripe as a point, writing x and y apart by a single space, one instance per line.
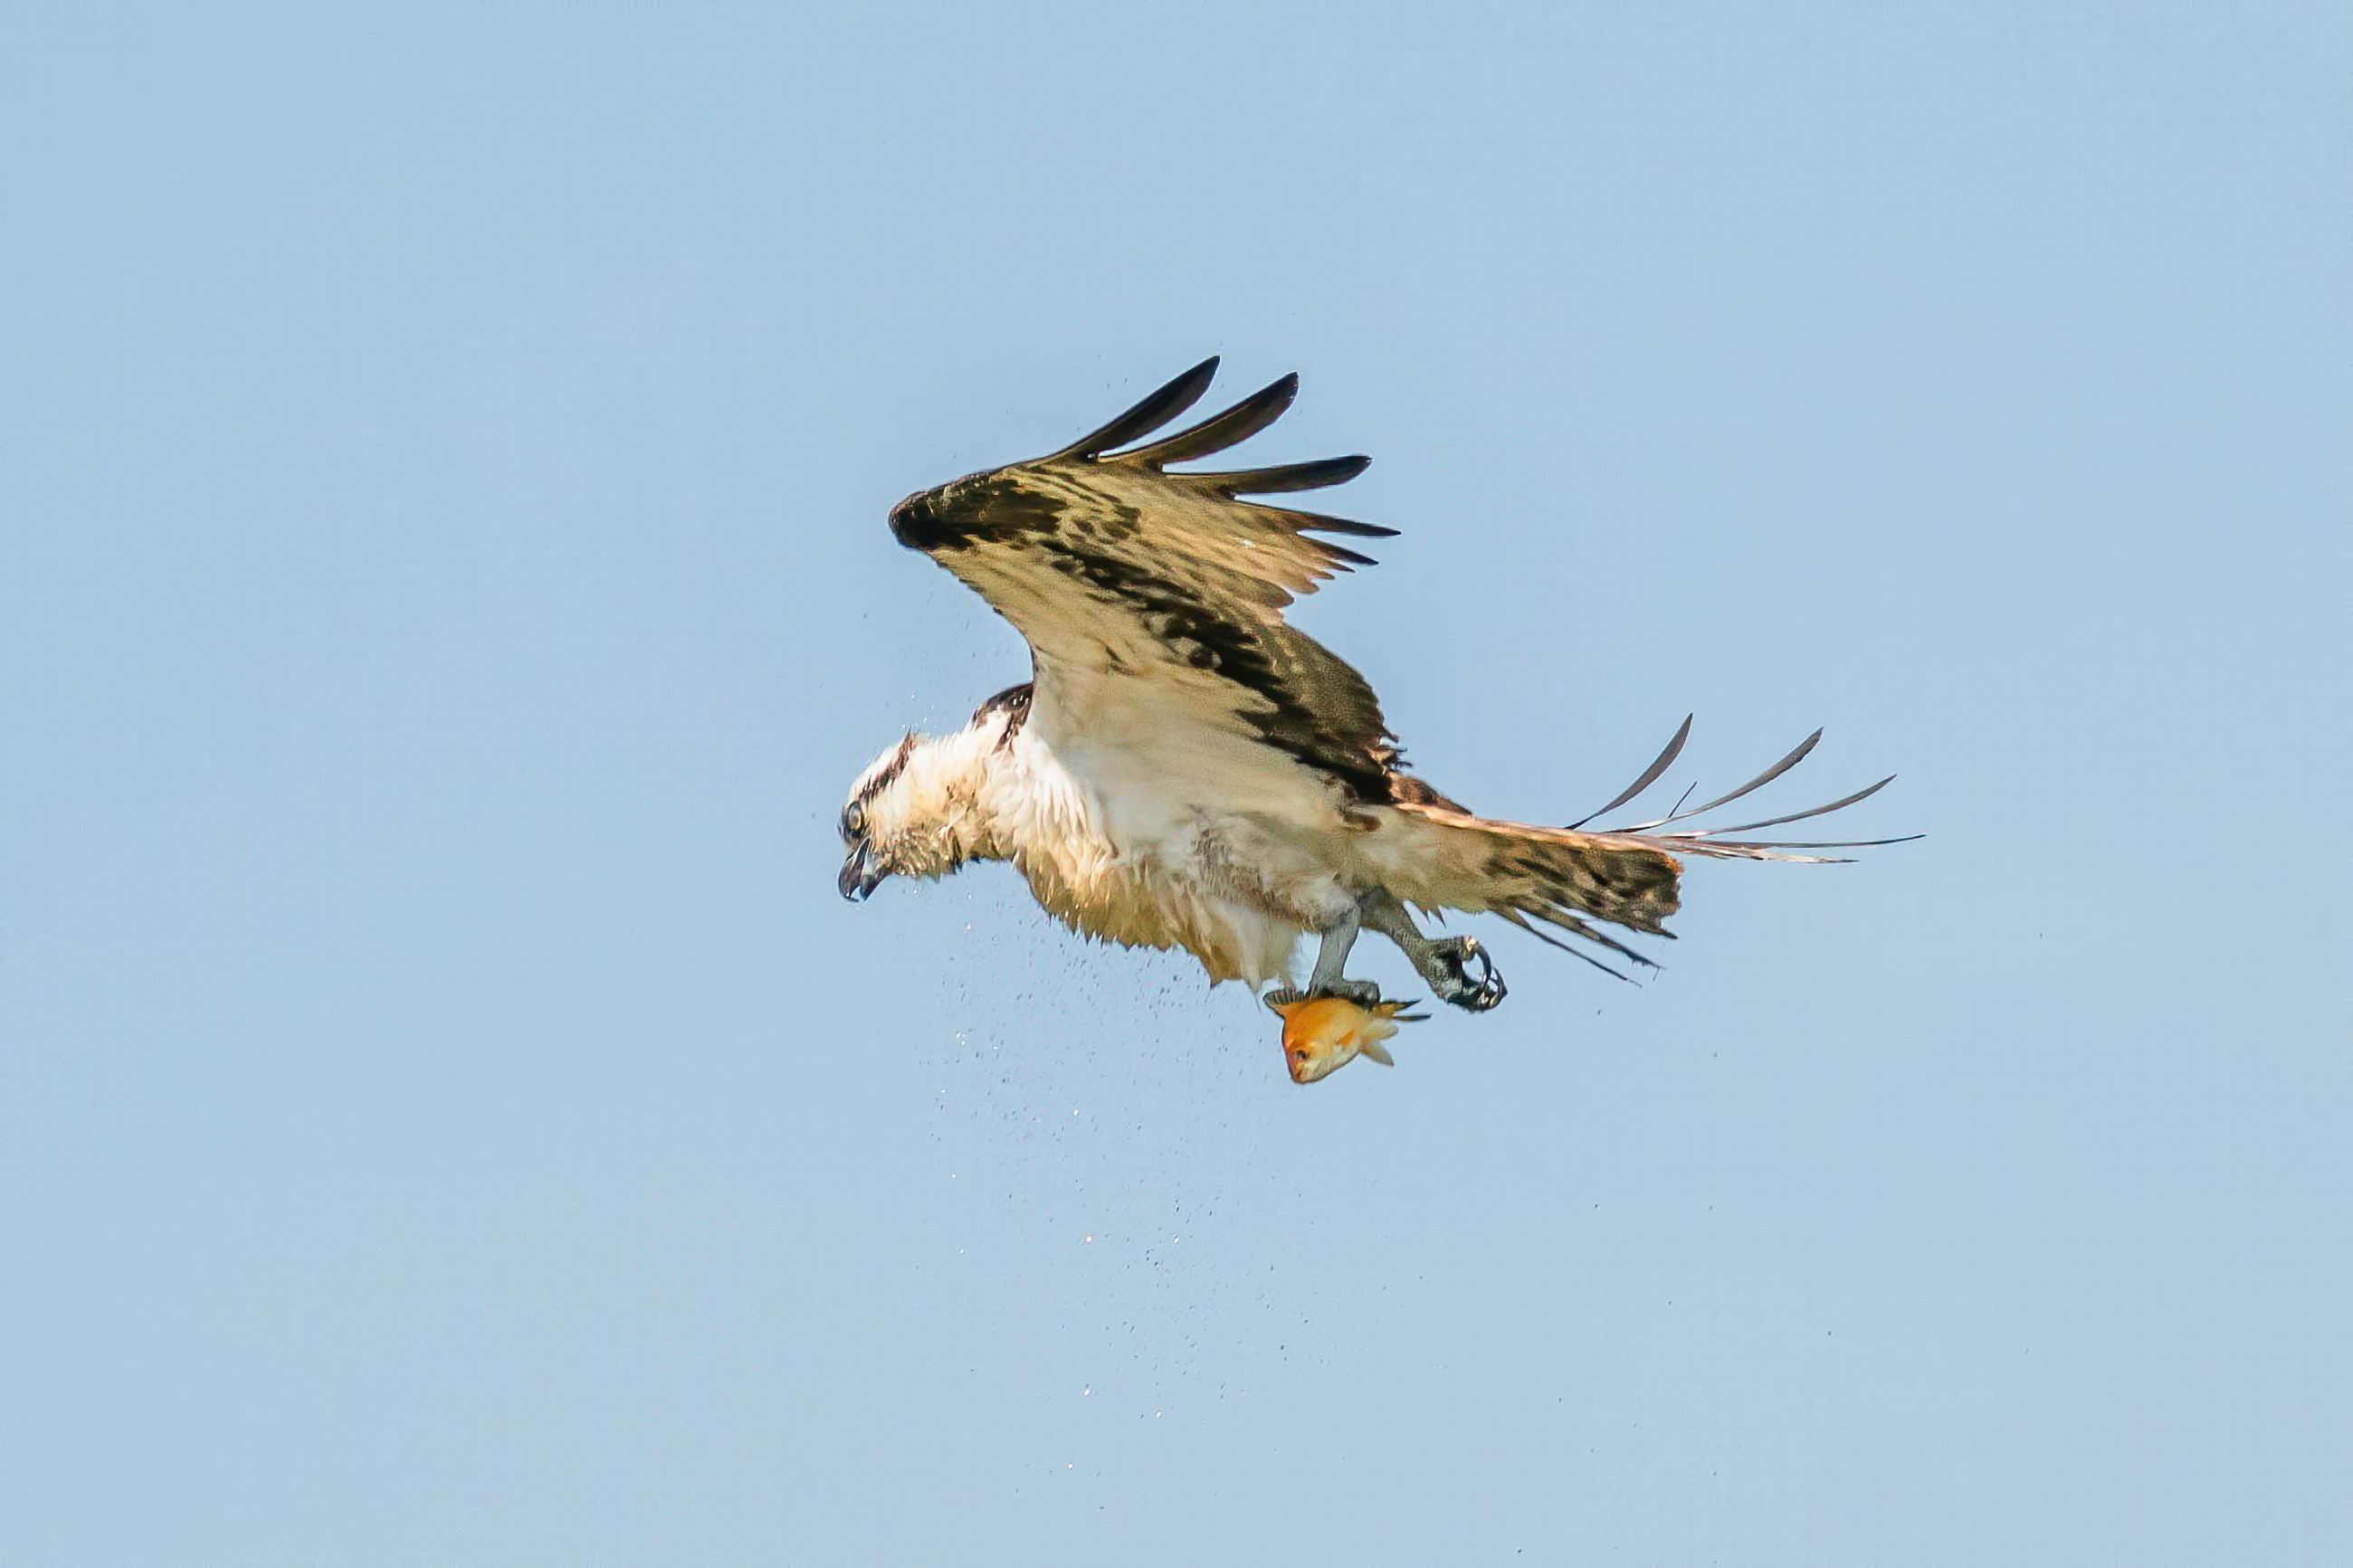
888 773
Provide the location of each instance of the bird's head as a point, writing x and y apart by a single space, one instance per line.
911 813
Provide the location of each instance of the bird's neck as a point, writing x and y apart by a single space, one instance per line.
1024 803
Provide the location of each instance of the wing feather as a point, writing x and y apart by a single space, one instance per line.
1158 597
1659 764
1798 754
1839 805
1313 475
1567 878
1220 431
1150 415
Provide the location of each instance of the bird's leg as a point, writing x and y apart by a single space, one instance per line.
1332 957
1446 963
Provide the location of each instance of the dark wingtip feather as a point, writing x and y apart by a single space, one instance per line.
1814 843
1666 760
1569 922
1315 521
1220 431
1798 754
1839 805
1149 415
1314 475
1551 941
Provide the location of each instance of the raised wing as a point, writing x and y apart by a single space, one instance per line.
1158 595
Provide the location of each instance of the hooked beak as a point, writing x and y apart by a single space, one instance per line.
860 876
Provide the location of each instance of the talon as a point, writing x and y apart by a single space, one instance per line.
1456 984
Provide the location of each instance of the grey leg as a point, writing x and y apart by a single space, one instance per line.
1446 963
1332 956
1331 959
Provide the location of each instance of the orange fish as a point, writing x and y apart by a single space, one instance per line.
1321 1034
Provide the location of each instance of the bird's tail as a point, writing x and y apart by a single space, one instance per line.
1568 877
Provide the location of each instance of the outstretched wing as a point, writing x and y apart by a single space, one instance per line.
1447 857
1153 599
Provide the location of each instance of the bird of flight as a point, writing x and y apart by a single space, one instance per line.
1186 770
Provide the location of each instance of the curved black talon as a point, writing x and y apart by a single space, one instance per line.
1455 956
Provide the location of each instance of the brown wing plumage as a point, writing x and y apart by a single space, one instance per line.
1627 877
1170 585
1452 858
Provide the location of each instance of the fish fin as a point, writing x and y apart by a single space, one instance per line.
1372 1050
1283 999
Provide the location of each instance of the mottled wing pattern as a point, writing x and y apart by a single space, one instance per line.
1157 595
1456 859
1626 876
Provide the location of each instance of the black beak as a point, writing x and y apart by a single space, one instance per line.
859 876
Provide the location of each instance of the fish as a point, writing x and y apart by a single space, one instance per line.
1321 1034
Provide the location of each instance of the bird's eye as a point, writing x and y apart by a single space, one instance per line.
853 820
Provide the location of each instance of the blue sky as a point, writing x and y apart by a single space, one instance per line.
448 1115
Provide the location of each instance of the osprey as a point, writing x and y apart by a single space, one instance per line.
1186 770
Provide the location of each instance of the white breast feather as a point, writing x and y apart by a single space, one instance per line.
1119 847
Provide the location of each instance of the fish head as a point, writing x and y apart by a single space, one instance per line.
1321 1034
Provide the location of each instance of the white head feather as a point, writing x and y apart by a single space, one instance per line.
921 808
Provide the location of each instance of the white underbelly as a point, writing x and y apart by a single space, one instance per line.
1143 906
1191 851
